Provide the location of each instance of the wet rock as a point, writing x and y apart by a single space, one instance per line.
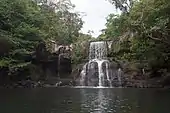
65 68
166 81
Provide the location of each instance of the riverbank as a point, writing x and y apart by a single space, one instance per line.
35 84
71 83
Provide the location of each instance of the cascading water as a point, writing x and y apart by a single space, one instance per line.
97 71
83 75
107 73
119 75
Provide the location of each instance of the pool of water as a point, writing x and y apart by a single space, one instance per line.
84 100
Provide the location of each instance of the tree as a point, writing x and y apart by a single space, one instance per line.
65 24
26 23
80 48
141 33
123 5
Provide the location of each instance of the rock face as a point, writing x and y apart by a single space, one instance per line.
134 76
4 79
57 64
64 66
166 81
44 68
64 61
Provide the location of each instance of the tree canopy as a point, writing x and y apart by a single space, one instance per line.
141 32
25 23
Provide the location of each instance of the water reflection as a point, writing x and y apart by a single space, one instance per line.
84 100
99 101
118 101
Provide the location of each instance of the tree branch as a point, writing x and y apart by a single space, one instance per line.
157 39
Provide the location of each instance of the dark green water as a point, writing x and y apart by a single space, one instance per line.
87 100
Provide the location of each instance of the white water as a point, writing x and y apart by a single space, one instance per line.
119 76
107 73
98 50
83 75
98 55
101 74
59 59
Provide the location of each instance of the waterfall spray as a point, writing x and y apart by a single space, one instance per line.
97 56
119 75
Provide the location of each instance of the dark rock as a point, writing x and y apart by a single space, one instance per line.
4 78
166 81
64 66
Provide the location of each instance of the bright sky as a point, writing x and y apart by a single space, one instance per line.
96 12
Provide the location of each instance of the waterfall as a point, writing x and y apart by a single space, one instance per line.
83 75
99 64
107 73
101 74
98 50
119 76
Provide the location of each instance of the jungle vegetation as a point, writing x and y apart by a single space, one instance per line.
141 33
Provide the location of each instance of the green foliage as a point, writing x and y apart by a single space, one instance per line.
123 5
141 33
61 24
80 48
26 23
4 62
